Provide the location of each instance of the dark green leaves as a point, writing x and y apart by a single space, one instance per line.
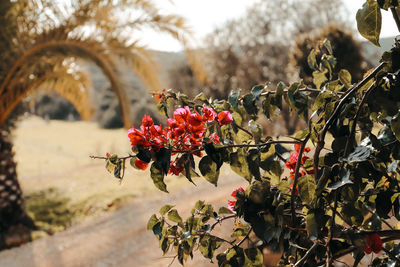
163 159
312 61
217 155
344 179
239 164
369 21
249 103
157 174
209 169
307 189
345 78
395 125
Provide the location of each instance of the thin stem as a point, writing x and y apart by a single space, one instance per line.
305 257
355 119
244 239
335 114
391 255
173 259
396 17
329 259
222 219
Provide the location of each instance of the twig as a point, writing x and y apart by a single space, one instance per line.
296 177
222 219
308 253
332 118
355 119
396 17
244 239
390 254
329 259
173 259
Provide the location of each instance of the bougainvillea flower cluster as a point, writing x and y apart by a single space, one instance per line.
231 203
185 132
291 163
373 243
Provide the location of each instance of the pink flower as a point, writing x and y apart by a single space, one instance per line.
209 114
225 117
181 114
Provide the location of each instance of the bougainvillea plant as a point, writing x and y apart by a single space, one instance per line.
338 193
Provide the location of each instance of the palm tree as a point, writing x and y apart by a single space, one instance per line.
38 41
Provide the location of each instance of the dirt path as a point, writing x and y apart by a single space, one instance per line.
119 238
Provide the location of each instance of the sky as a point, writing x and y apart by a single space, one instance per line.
202 19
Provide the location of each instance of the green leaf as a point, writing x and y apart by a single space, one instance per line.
328 46
199 205
162 107
239 164
157 175
165 209
201 97
369 21
163 159
345 78
312 225
255 129
319 78
253 257
344 179
253 160
224 210
173 215
215 154
144 155
249 104
307 189
279 93
152 221
257 90
157 230
233 99
395 125
208 168
312 60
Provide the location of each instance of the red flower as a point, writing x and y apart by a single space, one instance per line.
291 163
182 113
373 243
141 164
174 169
231 204
147 121
137 137
195 119
209 114
215 138
225 117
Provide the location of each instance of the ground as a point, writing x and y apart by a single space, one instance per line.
54 155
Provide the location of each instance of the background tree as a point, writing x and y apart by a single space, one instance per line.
38 39
237 57
346 49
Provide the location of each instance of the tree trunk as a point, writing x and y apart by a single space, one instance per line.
15 224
